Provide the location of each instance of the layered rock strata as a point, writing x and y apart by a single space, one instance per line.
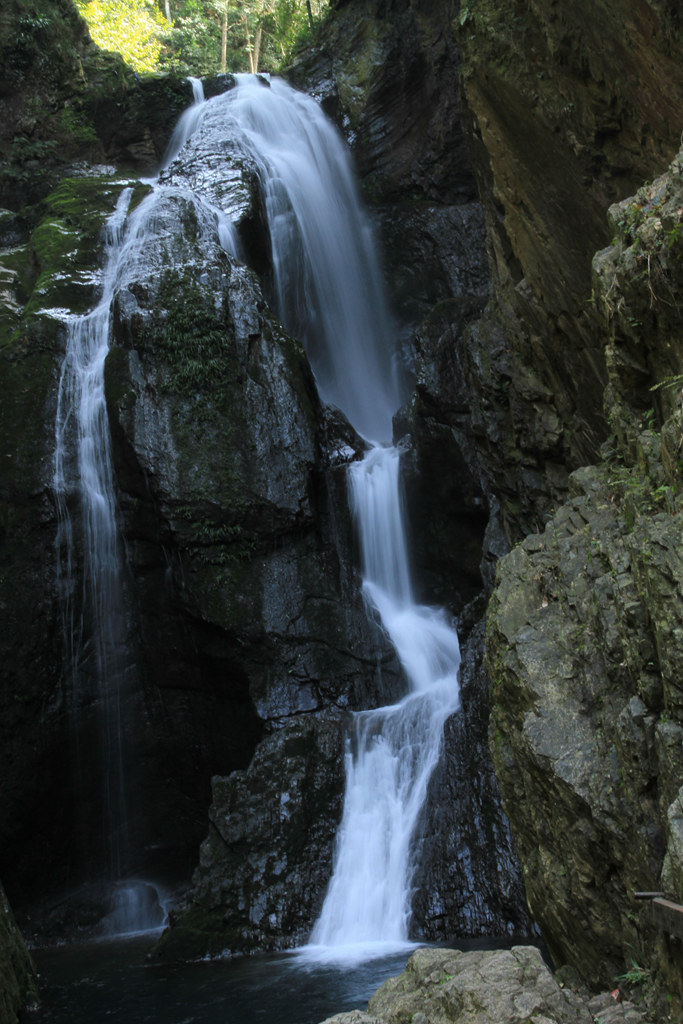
568 110
584 633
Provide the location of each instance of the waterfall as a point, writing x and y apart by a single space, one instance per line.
394 749
330 293
96 638
96 629
328 283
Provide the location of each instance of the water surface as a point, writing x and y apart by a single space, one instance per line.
114 981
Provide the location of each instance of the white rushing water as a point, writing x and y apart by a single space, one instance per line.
96 642
330 293
95 623
97 637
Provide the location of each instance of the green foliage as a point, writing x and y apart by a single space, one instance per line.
635 976
130 27
203 36
674 381
74 124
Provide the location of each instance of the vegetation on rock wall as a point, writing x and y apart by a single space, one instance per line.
584 628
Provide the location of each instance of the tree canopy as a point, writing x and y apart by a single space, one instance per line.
202 36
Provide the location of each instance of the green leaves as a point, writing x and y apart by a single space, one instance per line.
132 28
203 36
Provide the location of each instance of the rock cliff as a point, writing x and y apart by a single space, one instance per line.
244 606
568 111
583 635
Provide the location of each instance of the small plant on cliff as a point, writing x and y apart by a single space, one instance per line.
636 975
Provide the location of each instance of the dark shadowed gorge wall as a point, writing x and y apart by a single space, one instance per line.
571 109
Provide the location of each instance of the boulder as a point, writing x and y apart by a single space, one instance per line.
447 986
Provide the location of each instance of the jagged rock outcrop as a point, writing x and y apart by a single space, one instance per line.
469 875
227 470
265 864
584 634
18 985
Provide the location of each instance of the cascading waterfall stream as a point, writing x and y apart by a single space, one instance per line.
330 293
98 643
394 750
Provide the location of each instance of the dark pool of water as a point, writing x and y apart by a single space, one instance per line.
113 981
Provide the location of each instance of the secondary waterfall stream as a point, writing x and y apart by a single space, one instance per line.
96 626
329 292
96 649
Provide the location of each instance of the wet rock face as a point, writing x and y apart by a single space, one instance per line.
244 605
437 270
234 509
264 867
53 269
469 881
583 638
